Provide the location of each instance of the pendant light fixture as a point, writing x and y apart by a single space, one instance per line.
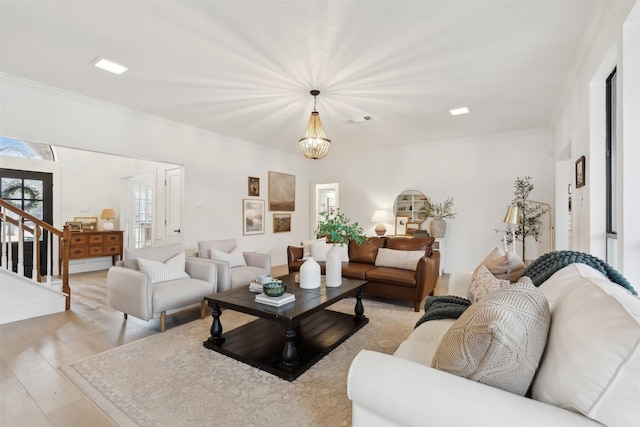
315 144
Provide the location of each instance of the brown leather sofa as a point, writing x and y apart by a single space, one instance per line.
386 282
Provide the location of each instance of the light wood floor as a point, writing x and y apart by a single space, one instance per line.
33 389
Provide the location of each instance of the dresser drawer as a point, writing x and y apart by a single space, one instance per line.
78 239
112 249
112 238
75 253
96 250
96 239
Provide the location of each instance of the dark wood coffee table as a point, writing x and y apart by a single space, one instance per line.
286 340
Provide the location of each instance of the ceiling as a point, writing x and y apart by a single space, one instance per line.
245 68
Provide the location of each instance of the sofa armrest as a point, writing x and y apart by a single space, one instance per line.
222 271
427 272
202 270
255 259
459 284
294 253
129 291
390 391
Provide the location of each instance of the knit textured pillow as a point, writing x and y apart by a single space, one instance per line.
498 340
483 283
171 269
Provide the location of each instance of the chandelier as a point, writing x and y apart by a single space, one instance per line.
315 144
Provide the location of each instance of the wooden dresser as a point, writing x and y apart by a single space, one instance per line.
93 244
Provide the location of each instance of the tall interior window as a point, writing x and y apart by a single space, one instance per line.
611 170
140 211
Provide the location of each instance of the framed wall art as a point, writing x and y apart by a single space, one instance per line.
282 192
401 225
252 216
581 177
412 226
254 186
74 225
89 223
281 222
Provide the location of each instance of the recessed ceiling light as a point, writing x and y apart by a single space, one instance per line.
110 66
458 111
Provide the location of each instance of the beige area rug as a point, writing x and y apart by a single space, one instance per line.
170 379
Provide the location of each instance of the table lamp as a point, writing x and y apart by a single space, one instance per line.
108 214
380 217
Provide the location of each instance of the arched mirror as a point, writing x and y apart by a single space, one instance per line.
327 200
410 204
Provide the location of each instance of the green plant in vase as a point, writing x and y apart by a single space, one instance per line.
439 211
337 228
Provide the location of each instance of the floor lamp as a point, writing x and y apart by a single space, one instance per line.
512 217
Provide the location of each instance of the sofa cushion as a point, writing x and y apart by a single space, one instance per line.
393 276
205 246
483 283
160 253
171 269
180 293
503 265
367 252
498 340
592 361
423 341
235 258
414 244
356 270
406 260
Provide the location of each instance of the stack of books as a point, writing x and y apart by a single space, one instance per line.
255 287
275 301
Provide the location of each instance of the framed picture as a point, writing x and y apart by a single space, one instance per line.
401 225
281 222
412 226
74 225
253 216
282 192
254 186
89 223
581 177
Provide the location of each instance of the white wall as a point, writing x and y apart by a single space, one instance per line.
581 121
477 172
216 168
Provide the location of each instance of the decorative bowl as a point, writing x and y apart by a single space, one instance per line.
274 289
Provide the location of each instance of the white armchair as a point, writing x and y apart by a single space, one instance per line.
148 290
235 268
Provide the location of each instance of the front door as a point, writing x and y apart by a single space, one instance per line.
33 193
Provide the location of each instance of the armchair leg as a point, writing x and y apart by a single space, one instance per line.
163 320
126 316
203 309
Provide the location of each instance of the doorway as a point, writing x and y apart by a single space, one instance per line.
33 193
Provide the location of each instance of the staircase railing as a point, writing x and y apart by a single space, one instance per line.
13 230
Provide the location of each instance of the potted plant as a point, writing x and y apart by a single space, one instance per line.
439 211
338 229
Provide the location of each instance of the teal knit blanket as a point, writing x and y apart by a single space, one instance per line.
443 307
546 265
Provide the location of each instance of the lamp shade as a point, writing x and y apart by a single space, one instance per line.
380 216
108 214
512 216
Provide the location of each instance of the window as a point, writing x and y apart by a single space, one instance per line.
611 168
140 212
16 148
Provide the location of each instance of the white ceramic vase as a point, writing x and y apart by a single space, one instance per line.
333 269
310 274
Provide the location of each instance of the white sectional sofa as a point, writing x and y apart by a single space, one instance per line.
589 373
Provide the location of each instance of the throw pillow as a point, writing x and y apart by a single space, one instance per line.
319 250
172 269
306 246
235 258
405 260
483 283
160 253
504 265
498 340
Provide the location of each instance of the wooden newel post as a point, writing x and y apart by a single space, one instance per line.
66 239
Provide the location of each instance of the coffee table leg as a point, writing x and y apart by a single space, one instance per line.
289 352
359 309
216 327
